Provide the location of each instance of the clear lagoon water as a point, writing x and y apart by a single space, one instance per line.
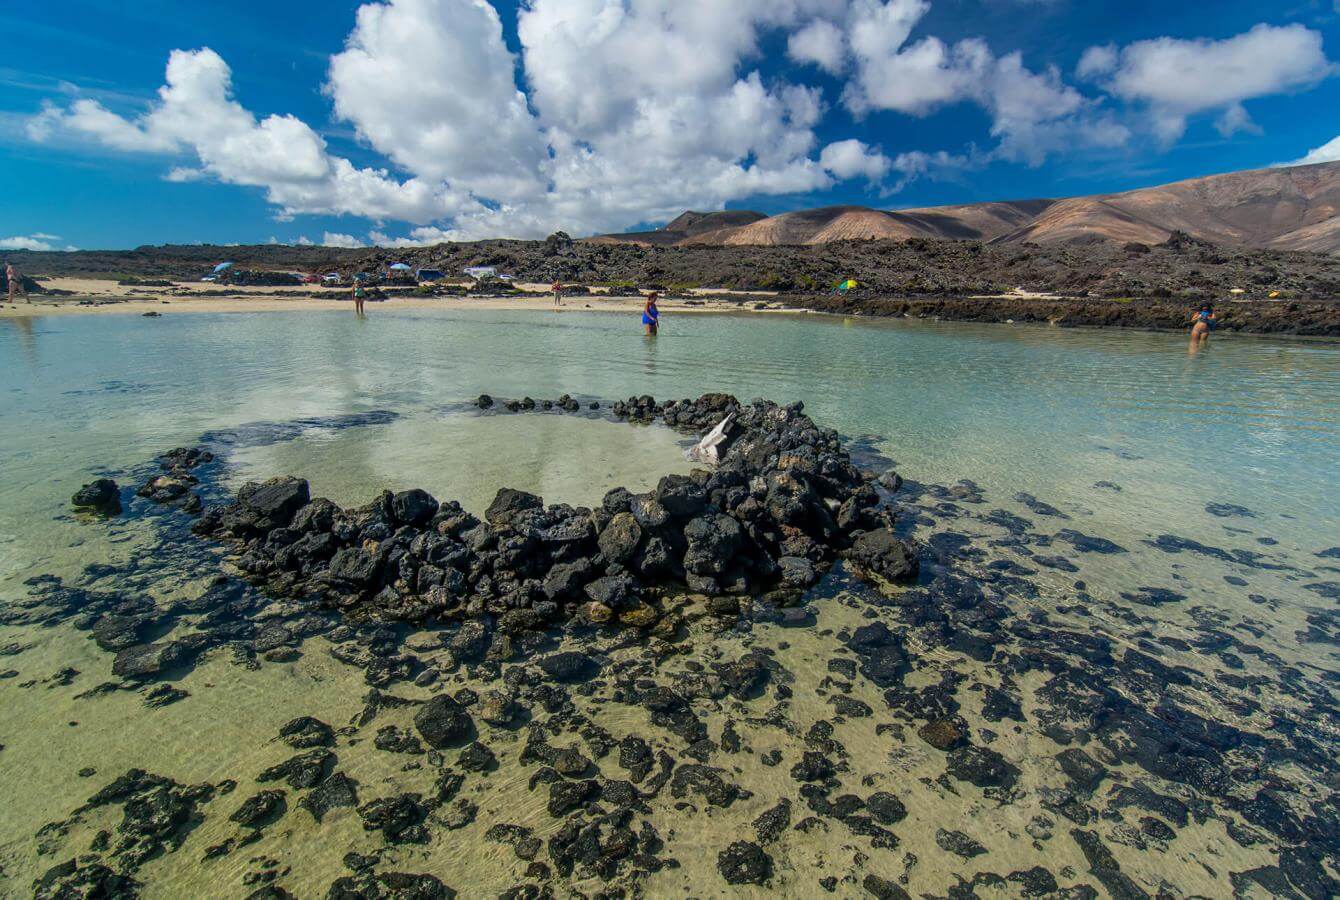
1129 435
1051 412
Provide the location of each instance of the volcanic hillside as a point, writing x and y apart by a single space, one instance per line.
1286 209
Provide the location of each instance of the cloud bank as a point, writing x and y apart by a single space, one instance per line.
37 241
617 112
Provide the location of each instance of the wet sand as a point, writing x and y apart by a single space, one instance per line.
94 296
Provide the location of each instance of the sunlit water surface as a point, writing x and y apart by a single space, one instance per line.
1128 434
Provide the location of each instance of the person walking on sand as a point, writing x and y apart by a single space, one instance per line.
15 283
360 294
651 316
1202 322
557 288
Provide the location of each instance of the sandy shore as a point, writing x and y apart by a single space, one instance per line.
92 296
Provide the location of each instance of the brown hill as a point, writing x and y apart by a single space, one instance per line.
797 227
977 221
1085 220
1288 209
686 227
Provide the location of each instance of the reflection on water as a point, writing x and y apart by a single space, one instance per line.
1046 411
1211 474
563 458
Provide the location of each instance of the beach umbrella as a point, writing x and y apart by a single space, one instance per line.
399 267
221 266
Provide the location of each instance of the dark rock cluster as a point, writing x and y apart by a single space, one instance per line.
173 484
101 495
157 814
776 511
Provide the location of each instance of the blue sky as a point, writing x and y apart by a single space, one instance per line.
419 120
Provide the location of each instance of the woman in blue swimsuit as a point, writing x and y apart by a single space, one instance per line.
651 316
1202 322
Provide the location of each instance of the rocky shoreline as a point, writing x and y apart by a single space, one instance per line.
1302 318
520 643
1183 269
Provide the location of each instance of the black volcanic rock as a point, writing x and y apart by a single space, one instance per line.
102 495
744 862
444 723
887 556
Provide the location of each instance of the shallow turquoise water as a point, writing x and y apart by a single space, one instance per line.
1252 422
1047 412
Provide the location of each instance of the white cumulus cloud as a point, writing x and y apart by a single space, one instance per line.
1177 79
821 43
612 113
430 84
853 158
335 239
1327 152
36 241
1033 113
196 113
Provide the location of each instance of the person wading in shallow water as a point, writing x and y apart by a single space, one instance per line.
360 294
15 283
651 316
1202 322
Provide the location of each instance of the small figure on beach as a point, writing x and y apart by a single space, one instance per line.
651 316
15 283
1202 322
557 288
360 294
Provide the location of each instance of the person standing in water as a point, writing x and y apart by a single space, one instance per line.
1202 322
558 293
15 283
651 316
359 296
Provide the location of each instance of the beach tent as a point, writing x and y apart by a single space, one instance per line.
846 285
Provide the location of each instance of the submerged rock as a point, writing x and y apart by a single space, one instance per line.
444 723
945 733
102 496
339 790
260 809
389 886
982 767
302 771
84 877
744 862
958 843
885 555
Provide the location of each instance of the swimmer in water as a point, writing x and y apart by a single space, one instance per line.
651 316
1201 323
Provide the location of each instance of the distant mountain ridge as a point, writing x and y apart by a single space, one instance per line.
1295 208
